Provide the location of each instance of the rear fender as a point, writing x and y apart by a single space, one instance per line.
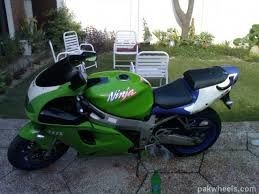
32 132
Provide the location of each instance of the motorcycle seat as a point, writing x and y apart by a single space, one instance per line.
173 95
201 78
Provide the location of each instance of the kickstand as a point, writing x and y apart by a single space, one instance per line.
139 162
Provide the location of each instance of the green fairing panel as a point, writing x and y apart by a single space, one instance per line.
35 106
121 93
108 140
30 132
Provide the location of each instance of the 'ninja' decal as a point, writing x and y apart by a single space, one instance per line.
121 95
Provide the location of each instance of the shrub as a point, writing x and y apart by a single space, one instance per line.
251 39
204 39
147 36
191 34
17 74
254 35
59 21
101 40
242 42
10 49
2 84
196 51
168 37
7 78
29 31
2 87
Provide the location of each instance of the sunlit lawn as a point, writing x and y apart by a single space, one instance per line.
245 94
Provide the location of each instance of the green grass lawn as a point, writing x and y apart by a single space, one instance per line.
245 94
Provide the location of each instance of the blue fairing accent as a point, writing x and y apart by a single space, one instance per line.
231 69
178 110
161 111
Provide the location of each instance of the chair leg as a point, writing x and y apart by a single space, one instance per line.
114 62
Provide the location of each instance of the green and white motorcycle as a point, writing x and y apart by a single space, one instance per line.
117 112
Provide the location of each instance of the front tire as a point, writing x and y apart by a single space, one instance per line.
211 135
27 155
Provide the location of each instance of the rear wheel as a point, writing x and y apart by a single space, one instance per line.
205 125
27 155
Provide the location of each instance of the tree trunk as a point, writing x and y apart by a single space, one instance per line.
183 19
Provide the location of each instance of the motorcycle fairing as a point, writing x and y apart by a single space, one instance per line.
204 96
106 141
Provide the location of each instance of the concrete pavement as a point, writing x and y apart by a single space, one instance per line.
232 162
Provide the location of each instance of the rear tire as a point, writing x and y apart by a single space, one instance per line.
211 136
26 155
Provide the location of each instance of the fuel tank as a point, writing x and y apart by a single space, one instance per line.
120 93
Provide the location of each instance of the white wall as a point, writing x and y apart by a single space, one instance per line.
9 14
60 3
225 19
28 8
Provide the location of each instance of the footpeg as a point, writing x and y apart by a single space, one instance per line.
227 101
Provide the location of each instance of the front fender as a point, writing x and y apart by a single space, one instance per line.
35 133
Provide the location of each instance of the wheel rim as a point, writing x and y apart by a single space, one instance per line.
33 153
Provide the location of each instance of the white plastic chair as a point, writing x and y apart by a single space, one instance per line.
151 64
62 55
125 44
59 56
72 45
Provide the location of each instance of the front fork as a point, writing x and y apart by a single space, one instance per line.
35 133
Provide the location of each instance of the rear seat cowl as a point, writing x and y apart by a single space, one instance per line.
201 78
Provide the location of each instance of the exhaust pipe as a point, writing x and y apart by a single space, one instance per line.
179 140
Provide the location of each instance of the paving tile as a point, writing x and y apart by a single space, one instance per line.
33 182
253 148
231 141
236 127
12 123
226 168
115 174
176 164
6 137
254 125
180 183
5 166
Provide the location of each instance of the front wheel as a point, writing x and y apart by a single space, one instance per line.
207 119
27 155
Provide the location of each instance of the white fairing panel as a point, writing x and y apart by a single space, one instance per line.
208 95
35 91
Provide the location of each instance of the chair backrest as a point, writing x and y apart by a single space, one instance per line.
152 64
71 42
125 41
126 37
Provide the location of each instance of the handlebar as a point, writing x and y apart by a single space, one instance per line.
75 59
